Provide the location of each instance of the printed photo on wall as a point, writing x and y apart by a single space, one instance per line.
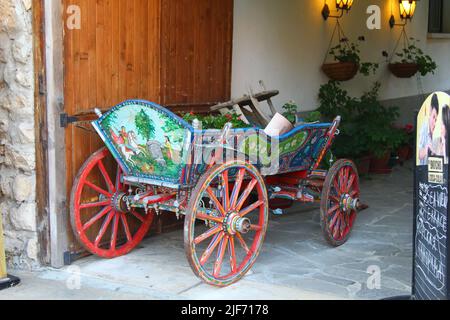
433 124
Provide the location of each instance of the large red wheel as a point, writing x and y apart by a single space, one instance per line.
223 219
340 202
101 220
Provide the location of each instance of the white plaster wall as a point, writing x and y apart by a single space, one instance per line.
284 42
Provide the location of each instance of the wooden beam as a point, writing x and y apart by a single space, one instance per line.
40 121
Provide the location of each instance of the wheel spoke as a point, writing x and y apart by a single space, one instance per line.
137 216
255 227
334 219
335 199
353 193
114 234
125 226
97 217
95 204
208 234
204 217
220 254
214 242
237 188
350 182
337 227
105 175
232 254
345 180
214 199
250 208
97 188
336 186
242 242
333 209
245 194
226 191
102 232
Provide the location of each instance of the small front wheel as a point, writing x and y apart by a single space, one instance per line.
340 202
223 218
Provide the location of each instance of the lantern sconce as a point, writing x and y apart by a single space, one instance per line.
341 6
407 10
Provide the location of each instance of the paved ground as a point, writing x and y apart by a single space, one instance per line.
295 263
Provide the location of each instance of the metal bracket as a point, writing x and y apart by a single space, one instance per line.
65 120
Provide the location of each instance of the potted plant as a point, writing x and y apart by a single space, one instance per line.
291 113
367 132
411 60
215 121
347 62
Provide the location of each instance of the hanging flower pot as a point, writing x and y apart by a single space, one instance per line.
340 71
410 59
403 70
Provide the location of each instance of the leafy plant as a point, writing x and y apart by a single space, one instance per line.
290 111
412 54
366 127
211 121
347 51
313 116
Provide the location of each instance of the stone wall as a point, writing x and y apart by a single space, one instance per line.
17 149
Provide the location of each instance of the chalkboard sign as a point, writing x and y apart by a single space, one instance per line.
431 211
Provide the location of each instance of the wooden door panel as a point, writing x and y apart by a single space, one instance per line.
112 58
196 52
172 52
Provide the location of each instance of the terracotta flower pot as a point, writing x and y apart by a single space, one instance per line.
340 71
363 165
403 70
405 153
381 165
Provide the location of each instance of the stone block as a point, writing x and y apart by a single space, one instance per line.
24 217
24 188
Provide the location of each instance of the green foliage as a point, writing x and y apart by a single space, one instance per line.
212 121
367 126
290 111
412 54
347 51
145 125
313 116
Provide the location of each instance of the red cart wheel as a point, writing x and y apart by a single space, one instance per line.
221 219
103 224
340 202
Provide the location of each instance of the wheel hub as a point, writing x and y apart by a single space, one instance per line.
234 223
118 202
348 203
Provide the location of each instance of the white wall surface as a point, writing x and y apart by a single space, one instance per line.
283 42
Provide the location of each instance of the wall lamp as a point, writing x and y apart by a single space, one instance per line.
407 10
341 6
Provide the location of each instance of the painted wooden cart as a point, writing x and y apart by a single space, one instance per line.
222 181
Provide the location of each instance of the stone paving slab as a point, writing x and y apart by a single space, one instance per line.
295 263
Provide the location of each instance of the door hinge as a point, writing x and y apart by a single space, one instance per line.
41 85
65 120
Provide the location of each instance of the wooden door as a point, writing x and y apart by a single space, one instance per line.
173 52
